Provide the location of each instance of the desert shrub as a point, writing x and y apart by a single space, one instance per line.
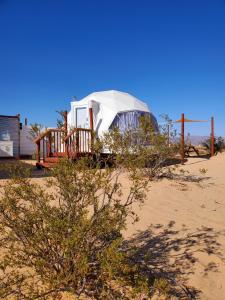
219 144
65 236
62 115
160 154
162 287
35 130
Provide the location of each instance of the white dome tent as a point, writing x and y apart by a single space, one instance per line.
99 112
110 108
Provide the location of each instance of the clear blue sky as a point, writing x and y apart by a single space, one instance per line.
169 53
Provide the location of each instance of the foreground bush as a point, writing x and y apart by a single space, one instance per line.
66 236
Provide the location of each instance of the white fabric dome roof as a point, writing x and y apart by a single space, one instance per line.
116 101
110 104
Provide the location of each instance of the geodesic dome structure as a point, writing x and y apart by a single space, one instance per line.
110 109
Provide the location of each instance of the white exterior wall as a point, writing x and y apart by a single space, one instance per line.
9 131
6 148
27 146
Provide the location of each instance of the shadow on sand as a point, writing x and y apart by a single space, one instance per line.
164 253
198 159
9 166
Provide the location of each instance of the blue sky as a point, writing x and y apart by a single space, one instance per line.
169 53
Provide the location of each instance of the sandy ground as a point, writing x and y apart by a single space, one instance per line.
182 227
181 232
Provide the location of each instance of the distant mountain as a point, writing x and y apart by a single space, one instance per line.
196 139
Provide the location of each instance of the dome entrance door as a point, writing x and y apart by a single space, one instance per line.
82 117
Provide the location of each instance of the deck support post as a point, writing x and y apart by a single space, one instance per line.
67 149
65 115
19 135
38 150
49 144
212 148
77 142
182 152
65 122
91 118
91 127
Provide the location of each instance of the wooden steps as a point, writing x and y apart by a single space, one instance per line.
54 144
50 161
58 154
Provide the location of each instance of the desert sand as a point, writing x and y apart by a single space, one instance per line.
182 227
181 232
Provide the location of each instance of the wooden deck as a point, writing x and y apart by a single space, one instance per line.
55 144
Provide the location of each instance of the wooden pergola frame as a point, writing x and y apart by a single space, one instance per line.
183 120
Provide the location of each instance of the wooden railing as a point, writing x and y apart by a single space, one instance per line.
79 141
50 143
55 143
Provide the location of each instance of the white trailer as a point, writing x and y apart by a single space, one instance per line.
27 145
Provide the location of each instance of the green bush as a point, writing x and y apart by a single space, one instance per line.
65 236
219 144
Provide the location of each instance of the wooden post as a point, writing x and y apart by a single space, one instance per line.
65 115
77 142
19 135
65 122
91 118
49 145
91 127
182 139
38 150
212 138
67 148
